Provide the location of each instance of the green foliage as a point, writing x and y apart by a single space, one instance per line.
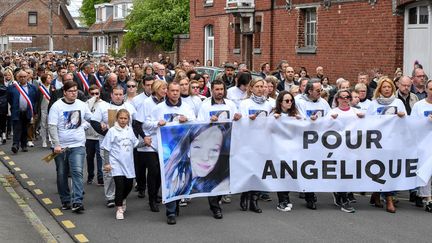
88 12
156 21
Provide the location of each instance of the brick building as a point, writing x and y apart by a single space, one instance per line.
25 23
108 30
344 36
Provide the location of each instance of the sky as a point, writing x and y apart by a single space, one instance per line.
74 7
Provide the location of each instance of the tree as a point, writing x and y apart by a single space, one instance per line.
88 12
156 21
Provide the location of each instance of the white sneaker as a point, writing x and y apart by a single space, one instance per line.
44 145
30 144
124 206
183 203
120 214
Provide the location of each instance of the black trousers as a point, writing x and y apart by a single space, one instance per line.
20 130
214 203
92 150
123 186
150 160
283 197
3 118
140 171
310 197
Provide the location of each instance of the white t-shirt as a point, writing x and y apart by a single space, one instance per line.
391 109
224 112
69 119
249 107
194 102
138 101
236 95
149 126
120 143
308 108
101 113
352 112
364 105
421 109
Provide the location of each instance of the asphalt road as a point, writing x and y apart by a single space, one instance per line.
195 223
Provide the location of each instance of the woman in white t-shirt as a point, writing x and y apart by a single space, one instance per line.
385 102
256 105
342 101
118 146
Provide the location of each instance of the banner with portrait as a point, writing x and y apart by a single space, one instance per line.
381 153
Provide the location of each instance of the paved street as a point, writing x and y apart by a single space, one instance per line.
195 224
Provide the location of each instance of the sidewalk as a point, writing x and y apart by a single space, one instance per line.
14 226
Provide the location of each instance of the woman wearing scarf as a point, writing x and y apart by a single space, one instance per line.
256 105
385 102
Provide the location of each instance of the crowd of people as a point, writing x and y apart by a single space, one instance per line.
107 112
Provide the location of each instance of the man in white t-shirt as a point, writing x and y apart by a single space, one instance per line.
311 105
66 128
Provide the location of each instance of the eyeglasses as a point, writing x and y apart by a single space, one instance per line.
94 93
131 86
345 97
72 91
195 87
287 101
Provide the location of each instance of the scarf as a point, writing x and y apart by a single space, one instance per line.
258 99
385 101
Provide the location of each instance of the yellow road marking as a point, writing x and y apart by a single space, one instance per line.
6 157
38 191
30 183
57 212
46 200
17 169
11 163
81 238
68 224
24 176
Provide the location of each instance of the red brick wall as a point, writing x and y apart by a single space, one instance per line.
16 24
352 37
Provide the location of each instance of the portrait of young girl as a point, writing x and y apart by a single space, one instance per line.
196 159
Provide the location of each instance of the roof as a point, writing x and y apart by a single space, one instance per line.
7 5
110 25
120 1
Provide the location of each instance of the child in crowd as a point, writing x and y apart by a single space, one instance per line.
118 147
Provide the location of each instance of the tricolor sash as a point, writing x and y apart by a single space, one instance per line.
84 80
45 92
25 95
98 82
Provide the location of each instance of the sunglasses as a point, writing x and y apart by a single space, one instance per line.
345 97
288 101
195 87
94 93
131 86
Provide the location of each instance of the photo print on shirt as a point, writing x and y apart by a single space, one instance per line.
72 119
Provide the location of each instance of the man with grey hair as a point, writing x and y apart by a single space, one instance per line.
419 78
84 78
403 93
312 106
110 83
280 74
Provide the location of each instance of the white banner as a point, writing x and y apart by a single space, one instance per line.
20 39
382 153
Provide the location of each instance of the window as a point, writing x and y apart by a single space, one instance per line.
310 27
307 31
209 43
32 18
99 14
208 3
257 32
418 15
121 11
237 34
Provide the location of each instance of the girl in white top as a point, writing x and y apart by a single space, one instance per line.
118 146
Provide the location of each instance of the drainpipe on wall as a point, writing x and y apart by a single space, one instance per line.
271 31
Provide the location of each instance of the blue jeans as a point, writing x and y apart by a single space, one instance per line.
71 160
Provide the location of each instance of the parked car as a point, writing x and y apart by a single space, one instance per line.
213 72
